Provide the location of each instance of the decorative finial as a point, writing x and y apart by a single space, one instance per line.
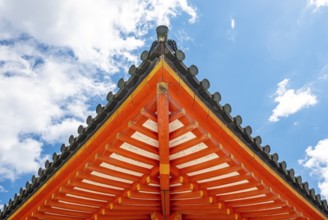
162 32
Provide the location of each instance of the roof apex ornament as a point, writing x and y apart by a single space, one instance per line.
162 32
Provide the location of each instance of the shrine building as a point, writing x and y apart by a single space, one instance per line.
164 148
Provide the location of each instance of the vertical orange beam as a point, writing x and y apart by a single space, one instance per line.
163 141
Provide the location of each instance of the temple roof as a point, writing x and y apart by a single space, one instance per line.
213 160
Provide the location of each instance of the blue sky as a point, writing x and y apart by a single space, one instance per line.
268 59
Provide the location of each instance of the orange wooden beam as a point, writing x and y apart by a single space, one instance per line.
194 156
207 164
147 188
68 213
188 144
148 115
89 195
102 180
177 115
41 215
131 155
224 181
197 201
121 164
183 130
74 200
241 195
188 195
99 189
234 188
275 217
144 202
143 130
93 167
210 217
69 206
139 195
258 200
269 212
259 207
216 173
163 141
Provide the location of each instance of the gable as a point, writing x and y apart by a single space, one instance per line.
163 147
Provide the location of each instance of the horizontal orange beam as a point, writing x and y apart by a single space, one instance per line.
77 207
259 207
188 195
138 195
268 212
102 180
95 188
132 156
182 188
225 181
251 201
147 188
188 144
205 165
215 173
183 130
68 213
53 217
194 156
92 167
204 211
177 115
234 188
242 195
134 207
276 217
89 195
119 212
122 164
143 130
137 143
211 217
140 202
70 199
148 115
197 201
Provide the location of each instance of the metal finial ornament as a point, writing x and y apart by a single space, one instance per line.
162 32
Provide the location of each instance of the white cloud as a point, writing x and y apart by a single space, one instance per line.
232 23
291 101
317 160
318 3
58 58
231 32
95 31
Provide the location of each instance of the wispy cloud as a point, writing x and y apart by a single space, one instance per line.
291 101
55 59
316 159
317 3
232 30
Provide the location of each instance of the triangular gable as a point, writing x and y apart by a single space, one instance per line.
164 148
